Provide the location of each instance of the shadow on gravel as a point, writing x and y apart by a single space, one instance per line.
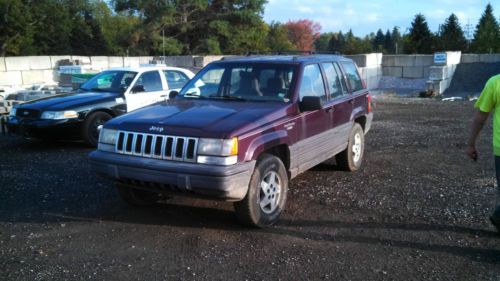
476 254
24 146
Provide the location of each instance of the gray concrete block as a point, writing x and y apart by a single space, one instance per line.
367 60
394 71
453 57
438 86
202 61
17 63
489 58
54 60
438 73
426 71
145 60
99 62
40 62
131 61
82 59
470 58
2 64
413 72
11 78
115 62
424 60
399 60
34 77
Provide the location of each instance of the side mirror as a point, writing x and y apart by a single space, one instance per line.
172 94
137 89
311 103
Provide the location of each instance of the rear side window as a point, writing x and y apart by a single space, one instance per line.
334 81
151 81
353 76
175 79
312 82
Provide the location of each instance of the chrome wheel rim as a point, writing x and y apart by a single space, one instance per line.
270 191
356 147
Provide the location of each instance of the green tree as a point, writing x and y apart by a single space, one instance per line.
379 41
451 35
277 38
389 45
397 40
420 38
487 35
322 43
337 42
16 34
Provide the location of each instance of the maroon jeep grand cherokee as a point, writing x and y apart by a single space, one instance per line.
239 131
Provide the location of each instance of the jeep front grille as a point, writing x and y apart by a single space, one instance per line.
157 146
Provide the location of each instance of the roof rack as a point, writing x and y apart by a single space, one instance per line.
291 52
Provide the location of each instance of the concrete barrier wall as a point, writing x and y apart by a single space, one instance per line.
407 66
23 71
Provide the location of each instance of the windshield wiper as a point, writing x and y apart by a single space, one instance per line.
227 97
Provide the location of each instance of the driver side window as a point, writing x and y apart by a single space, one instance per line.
312 82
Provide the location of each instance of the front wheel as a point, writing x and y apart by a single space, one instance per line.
266 195
351 158
91 125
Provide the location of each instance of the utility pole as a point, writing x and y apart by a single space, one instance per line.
163 44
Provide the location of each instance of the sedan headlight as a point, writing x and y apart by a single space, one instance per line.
108 136
58 115
13 111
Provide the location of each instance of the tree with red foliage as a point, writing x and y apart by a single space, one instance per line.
303 33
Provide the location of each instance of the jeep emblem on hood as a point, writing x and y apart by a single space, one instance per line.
156 129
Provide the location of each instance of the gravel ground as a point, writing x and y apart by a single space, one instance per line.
417 210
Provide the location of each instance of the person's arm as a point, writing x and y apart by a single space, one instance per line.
477 125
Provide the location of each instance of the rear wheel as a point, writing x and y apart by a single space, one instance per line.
351 158
137 197
266 195
91 125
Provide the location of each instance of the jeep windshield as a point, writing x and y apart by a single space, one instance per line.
242 82
114 81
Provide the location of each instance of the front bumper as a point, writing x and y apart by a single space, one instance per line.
39 128
228 183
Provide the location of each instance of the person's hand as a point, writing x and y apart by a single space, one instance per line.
472 152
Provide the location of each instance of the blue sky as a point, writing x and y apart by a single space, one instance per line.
368 16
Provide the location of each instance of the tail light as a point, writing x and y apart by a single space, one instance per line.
369 101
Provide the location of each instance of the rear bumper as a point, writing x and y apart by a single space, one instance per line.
38 128
228 183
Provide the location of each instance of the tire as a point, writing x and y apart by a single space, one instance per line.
352 157
92 122
256 211
137 197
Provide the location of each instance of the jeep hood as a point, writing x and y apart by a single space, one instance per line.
198 118
69 101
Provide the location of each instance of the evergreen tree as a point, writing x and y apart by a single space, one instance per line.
322 43
16 35
379 41
451 35
388 42
487 35
277 38
397 40
337 42
420 38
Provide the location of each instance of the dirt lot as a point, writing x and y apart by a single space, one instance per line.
416 211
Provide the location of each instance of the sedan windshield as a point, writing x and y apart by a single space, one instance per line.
115 81
242 82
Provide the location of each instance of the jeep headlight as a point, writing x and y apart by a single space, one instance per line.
218 151
58 115
108 136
